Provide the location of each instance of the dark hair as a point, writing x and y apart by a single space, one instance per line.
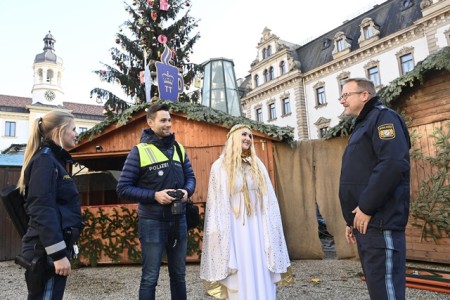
153 109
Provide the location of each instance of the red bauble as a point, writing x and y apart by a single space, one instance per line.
154 15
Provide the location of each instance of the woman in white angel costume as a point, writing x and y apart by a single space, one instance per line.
244 252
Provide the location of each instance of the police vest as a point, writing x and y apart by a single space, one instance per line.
149 154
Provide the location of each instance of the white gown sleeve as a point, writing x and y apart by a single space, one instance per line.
216 230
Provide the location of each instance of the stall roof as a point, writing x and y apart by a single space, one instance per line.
11 160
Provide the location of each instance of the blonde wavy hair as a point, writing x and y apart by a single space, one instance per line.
232 160
50 126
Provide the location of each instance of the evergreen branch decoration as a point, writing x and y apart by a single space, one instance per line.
341 129
115 233
195 112
432 204
434 62
195 236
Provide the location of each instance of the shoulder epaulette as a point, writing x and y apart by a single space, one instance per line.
46 150
381 107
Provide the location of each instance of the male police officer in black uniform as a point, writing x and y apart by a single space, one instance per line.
374 188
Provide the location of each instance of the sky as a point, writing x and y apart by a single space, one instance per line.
85 30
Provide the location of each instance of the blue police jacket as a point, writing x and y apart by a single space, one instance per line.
140 183
52 199
375 172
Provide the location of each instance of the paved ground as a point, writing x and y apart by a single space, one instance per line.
315 279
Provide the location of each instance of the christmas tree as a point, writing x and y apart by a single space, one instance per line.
152 28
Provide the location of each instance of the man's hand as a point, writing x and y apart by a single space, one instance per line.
185 195
163 198
349 236
361 220
62 267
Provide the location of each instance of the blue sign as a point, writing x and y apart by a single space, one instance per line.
170 81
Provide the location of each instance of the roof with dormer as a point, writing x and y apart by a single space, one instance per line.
391 17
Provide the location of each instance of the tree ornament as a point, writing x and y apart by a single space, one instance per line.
164 5
154 15
162 39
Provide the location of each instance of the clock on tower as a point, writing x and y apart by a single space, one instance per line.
49 95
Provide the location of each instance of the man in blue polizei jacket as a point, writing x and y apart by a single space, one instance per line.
374 188
155 168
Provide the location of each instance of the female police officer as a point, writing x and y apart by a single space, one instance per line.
52 203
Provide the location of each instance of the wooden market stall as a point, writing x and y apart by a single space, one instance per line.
104 154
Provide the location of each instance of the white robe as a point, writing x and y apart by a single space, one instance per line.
247 254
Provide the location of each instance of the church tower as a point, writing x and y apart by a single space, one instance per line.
48 69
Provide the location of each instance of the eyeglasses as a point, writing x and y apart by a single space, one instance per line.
346 95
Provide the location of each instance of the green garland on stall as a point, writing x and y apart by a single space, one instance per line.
195 112
112 234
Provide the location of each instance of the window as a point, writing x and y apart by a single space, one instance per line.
259 114
272 111
322 126
271 73
286 106
256 79
326 43
367 32
264 53
341 84
405 59
82 129
282 67
320 96
341 78
322 132
266 76
374 75
269 51
49 75
10 128
407 4
340 45
407 63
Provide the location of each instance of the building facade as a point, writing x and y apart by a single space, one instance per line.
18 113
299 85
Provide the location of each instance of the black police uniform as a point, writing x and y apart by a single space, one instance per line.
53 205
375 176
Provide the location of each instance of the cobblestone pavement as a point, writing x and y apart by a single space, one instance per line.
314 279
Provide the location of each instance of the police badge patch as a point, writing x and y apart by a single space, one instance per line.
386 131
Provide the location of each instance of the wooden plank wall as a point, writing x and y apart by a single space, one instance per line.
10 242
204 144
428 107
418 248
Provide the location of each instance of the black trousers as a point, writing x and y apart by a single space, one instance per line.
383 259
54 289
